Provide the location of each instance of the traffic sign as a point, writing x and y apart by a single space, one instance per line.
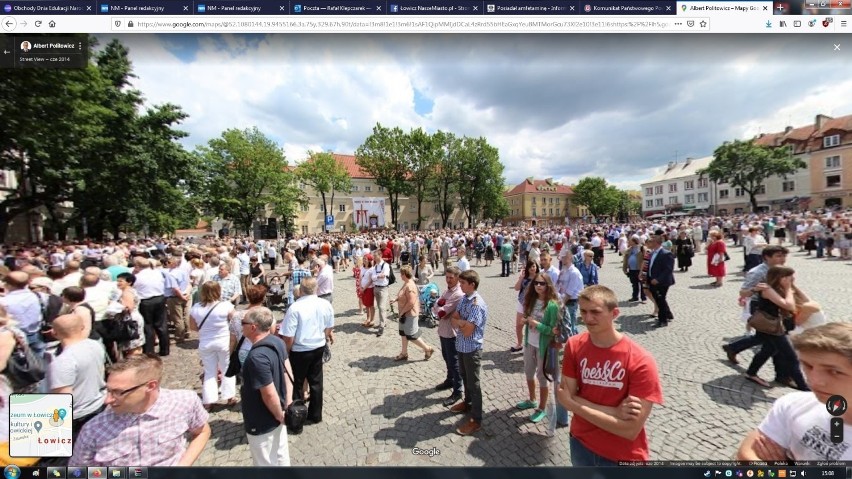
329 220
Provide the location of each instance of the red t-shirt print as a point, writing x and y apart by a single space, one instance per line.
606 376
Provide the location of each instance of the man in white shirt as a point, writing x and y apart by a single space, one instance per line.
463 264
811 425
324 274
245 273
307 327
380 274
150 285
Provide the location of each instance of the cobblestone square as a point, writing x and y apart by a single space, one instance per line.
377 411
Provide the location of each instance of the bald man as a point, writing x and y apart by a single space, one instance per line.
78 370
26 307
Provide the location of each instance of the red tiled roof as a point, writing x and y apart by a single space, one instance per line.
348 162
800 134
843 123
531 186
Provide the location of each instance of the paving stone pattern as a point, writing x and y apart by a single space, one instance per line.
377 411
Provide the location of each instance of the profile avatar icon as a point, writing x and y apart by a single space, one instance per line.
26 46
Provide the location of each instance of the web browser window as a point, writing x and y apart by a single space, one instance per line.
210 159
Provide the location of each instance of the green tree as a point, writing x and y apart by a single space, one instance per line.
50 120
244 175
599 197
443 187
325 175
383 156
481 179
746 165
423 152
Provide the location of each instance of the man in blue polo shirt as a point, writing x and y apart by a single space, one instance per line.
469 319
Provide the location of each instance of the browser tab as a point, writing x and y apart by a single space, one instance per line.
341 7
144 7
237 7
622 7
72 7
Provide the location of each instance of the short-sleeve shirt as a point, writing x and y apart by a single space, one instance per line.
156 437
799 423
606 376
263 366
81 366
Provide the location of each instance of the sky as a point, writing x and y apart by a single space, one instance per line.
555 106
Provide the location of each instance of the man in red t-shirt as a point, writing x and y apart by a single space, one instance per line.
610 384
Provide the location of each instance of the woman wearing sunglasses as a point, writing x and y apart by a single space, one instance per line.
541 316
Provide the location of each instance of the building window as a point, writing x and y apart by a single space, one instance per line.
649 191
830 141
689 199
658 202
305 207
533 200
832 181
702 182
703 197
723 193
788 186
355 187
649 203
761 190
689 185
343 208
534 213
557 201
672 187
832 162
381 188
738 192
551 200
672 200
658 190
551 211
368 188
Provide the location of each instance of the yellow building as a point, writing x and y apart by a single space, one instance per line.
310 219
541 203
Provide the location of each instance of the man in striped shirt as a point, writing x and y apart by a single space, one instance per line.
469 319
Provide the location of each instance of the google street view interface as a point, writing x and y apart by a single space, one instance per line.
141 131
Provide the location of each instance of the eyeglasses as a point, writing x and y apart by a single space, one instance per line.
539 283
246 323
121 393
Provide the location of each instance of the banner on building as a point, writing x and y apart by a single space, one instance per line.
369 212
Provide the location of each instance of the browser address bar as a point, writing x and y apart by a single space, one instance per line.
409 24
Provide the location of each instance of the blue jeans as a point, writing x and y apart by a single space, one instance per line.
569 317
820 244
451 359
581 456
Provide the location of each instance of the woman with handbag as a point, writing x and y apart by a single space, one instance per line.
210 318
409 316
541 318
716 252
130 300
777 301
685 250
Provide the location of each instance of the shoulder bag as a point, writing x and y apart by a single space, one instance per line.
208 315
762 322
234 365
24 368
296 413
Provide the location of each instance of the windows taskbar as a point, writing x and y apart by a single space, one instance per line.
659 470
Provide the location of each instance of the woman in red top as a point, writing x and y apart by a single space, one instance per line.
716 251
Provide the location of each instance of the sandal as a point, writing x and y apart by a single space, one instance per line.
232 402
401 357
760 382
429 354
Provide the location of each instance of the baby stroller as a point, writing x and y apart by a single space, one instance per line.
405 258
428 296
276 295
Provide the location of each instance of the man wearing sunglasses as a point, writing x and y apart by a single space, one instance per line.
143 423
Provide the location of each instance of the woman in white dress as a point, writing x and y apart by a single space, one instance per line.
210 317
130 300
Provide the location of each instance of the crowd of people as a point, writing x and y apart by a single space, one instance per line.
103 315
